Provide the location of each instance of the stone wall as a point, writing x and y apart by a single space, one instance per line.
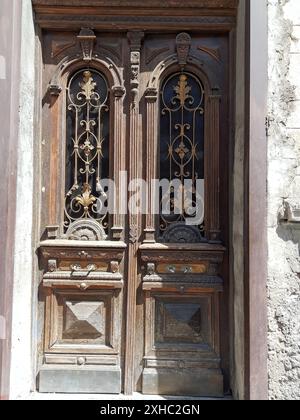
284 184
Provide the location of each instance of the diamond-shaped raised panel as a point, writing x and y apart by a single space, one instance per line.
84 321
181 321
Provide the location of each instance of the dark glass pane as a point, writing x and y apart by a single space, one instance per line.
181 148
87 146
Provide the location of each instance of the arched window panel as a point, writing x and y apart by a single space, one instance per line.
87 148
182 102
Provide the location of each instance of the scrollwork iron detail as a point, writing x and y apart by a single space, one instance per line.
87 147
181 152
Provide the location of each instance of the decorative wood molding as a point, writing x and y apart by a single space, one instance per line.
60 256
213 52
135 39
92 300
212 147
101 22
60 359
52 231
70 62
152 53
52 265
137 4
58 47
183 47
175 283
151 97
105 14
118 93
112 48
86 230
212 256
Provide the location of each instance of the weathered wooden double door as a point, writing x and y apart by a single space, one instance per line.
134 300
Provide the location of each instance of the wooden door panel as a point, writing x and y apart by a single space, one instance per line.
181 323
83 293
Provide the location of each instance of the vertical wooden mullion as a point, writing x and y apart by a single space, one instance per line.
151 158
135 40
213 168
54 161
118 160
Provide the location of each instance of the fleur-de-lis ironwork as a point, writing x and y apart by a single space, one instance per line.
87 85
182 89
86 199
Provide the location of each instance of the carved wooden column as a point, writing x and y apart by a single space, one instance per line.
54 186
152 147
212 171
135 40
119 160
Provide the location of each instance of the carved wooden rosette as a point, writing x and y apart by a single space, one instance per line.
151 97
212 148
135 41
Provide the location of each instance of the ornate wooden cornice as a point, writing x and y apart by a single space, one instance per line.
134 14
209 4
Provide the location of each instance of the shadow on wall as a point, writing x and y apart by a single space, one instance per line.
289 224
289 232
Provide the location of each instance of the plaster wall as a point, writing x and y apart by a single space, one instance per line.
10 15
21 372
284 184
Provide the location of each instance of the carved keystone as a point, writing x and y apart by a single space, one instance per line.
183 46
87 39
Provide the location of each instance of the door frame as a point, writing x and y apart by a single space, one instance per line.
255 190
255 262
